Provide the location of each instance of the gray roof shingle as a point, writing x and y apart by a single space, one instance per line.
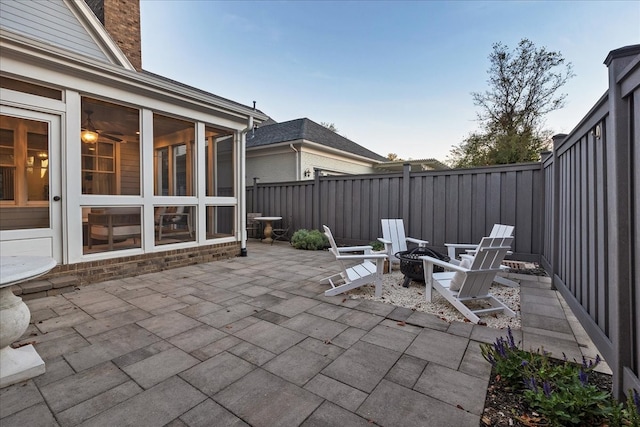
273 133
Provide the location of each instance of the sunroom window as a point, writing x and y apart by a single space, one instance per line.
220 157
174 153
110 148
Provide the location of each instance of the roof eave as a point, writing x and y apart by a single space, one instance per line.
16 44
335 150
317 146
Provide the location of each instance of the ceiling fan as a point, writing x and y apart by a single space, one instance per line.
90 134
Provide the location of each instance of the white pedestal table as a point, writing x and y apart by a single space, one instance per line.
267 226
23 363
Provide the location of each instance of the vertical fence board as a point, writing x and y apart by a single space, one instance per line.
465 207
592 261
524 211
479 213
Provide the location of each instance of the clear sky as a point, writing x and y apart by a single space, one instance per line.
393 76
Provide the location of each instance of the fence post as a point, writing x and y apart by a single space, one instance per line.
406 190
255 194
618 144
555 215
316 199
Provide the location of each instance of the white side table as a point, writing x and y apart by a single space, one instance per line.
267 226
18 364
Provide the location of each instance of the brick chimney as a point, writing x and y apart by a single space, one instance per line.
121 19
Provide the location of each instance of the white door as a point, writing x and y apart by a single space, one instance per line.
30 183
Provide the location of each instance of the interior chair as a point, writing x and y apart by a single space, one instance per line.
470 280
282 231
113 225
173 220
368 269
395 240
253 227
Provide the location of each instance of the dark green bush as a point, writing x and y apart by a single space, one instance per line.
311 240
377 245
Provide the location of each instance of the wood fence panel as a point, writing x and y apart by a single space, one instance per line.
465 224
523 201
600 316
479 213
451 209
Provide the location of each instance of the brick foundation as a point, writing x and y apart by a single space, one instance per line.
66 278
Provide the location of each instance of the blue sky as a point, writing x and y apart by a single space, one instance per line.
395 77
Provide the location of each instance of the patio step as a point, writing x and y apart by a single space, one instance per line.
40 288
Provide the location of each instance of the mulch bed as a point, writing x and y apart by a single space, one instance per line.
505 408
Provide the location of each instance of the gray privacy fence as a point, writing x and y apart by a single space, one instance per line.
439 206
591 237
577 213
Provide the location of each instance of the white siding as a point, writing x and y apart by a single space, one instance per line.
279 167
333 164
49 21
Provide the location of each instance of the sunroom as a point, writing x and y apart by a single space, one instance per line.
100 162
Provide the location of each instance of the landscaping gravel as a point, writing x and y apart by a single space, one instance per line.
413 297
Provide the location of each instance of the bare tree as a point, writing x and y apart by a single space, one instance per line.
523 88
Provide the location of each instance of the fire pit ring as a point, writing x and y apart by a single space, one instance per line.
411 264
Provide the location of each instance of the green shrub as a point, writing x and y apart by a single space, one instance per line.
311 240
377 245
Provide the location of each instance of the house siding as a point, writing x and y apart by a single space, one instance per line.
277 167
311 161
49 21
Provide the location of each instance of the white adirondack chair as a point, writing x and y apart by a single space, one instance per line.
498 231
474 281
351 277
394 238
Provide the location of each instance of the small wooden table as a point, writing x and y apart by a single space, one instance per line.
18 364
267 226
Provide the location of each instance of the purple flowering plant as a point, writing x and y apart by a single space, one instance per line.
558 390
509 361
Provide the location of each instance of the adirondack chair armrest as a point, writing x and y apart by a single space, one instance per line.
418 242
364 256
461 245
355 249
445 264
452 247
388 245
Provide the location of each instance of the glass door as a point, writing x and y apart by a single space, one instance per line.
30 184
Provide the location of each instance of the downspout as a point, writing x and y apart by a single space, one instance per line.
298 167
243 186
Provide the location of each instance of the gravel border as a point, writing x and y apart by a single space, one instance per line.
413 297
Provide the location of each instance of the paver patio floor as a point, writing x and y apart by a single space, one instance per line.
254 341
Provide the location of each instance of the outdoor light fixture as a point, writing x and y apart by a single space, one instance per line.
307 173
597 132
89 133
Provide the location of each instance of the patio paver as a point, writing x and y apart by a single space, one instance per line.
253 341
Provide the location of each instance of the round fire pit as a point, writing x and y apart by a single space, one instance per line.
411 264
